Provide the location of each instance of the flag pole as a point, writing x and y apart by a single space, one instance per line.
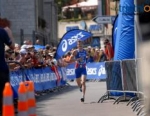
135 28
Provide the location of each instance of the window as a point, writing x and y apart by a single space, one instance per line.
69 28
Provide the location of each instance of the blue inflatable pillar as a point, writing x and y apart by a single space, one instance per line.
125 45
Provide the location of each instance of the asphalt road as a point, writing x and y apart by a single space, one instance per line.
67 103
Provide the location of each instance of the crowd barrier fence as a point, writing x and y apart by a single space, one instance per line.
43 78
95 71
122 80
124 84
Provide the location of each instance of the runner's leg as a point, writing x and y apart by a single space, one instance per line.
78 80
83 81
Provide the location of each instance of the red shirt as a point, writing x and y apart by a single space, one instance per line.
35 61
109 51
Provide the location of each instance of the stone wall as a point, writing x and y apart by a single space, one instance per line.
50 15
22 15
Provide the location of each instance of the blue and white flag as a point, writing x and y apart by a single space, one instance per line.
69 41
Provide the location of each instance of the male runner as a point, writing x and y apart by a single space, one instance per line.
80 67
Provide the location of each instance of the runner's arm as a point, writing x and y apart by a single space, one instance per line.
72 58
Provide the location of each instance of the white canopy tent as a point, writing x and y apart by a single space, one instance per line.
88 3
83 4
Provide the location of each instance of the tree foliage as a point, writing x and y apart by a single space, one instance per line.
62 3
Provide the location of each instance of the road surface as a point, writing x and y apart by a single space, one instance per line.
67 103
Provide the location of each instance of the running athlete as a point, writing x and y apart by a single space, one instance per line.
80 67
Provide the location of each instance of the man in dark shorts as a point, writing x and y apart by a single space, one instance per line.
6 38
79 57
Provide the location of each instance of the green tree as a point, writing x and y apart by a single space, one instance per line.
62 3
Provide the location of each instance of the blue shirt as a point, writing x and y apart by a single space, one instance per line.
4 39
81 54
90 59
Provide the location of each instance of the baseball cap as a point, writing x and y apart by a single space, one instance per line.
29 46
23 51
24 47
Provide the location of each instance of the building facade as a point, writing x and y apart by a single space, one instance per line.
36 18
100 31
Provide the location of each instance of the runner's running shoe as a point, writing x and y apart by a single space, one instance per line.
82 99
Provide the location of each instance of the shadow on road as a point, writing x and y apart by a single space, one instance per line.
53 95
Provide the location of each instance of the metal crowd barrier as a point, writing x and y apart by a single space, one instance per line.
123 84
44 77
21 68
113 72
138 103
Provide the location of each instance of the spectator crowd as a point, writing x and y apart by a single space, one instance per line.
30 56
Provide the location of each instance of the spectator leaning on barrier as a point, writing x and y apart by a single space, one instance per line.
6 37
89 55
52 60
103 57
108 50
35 59
89 49
61 62
21 59
47 49
71 57
17 47
92 52
97 55
89 58
68 57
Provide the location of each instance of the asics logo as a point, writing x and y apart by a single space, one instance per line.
64 45
96 71
71 41
101 70
91 71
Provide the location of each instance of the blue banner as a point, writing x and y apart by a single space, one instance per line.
37 79
94 71
64 76
47 83
69 41
14 80
70 71
43 78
